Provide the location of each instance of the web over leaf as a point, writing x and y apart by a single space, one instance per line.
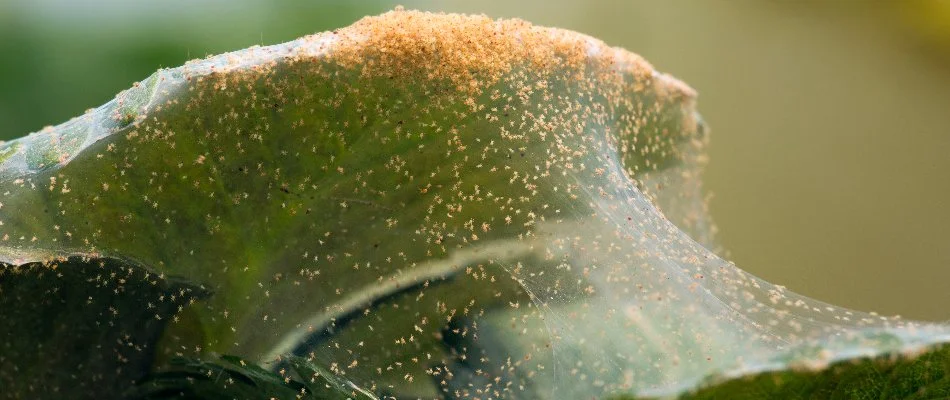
415 206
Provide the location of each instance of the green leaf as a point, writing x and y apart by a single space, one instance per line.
916 376
418 206
81 326
233 378
324 384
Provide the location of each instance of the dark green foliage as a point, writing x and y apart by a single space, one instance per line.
917 378
921 377
233 378
76 327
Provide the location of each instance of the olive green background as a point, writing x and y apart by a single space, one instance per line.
830 159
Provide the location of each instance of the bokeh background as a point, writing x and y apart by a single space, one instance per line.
830 157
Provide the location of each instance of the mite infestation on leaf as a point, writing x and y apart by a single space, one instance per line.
415 206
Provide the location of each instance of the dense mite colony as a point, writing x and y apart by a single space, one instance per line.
424 204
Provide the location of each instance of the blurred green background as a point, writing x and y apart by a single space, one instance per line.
830 159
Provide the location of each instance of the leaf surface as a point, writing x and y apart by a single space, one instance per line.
420 206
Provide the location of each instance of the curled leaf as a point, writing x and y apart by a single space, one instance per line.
423 206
